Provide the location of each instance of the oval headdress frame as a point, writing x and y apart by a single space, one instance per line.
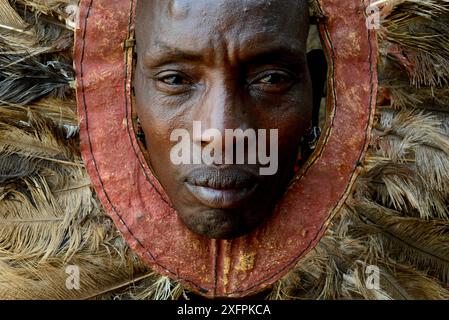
136 201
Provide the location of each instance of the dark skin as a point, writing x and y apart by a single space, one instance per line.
229 64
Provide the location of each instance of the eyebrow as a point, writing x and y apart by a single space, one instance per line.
165 54
281 55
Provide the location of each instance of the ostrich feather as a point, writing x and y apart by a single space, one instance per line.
419 242
10 19
395 220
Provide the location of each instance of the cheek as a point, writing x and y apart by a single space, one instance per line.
292 119
296 114
158 122
160 112
157 136
156 118
293 108
290 133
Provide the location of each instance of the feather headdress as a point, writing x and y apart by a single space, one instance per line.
396 220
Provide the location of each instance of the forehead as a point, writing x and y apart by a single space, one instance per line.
203 22
228 8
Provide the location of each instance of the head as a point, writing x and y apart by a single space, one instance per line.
223 65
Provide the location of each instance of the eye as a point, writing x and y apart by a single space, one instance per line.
272 79
273 82
173 82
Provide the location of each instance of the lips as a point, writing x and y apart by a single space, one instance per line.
221 188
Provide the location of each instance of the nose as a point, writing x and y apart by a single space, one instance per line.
220 109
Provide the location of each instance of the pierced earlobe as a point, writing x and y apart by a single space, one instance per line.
312 137
308 144
139 132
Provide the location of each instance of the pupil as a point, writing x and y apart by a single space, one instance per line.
173 80
271 79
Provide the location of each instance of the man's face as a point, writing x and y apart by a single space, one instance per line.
229 64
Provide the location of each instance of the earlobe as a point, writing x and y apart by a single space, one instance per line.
140 133
317 66
307 146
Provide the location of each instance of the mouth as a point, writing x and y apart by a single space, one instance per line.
221 188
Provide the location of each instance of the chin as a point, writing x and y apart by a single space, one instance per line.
219 224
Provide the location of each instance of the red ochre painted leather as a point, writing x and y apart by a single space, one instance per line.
135 200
